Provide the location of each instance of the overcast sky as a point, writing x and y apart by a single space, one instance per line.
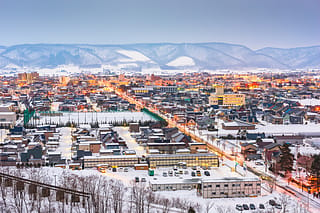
254 23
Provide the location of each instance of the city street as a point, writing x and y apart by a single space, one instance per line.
65 143
130 141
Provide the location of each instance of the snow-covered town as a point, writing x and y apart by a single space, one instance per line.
213 147
170 106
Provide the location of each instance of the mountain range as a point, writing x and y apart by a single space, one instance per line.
161 55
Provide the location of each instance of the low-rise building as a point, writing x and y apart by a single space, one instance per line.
112 160
164 160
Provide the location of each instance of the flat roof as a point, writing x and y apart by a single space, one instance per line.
184 155
110 156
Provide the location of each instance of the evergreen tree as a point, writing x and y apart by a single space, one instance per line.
315 170
286 158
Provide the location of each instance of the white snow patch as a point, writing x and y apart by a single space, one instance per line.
182 61
134 55
308 102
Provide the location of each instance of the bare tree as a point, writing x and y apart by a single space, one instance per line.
150 198
223 209
117 193
208 206
284 201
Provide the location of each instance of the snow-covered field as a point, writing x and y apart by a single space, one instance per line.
91 117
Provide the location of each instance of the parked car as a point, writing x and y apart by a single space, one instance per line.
261 206
193 174
239 207
143 180
206 173
252 206
272 202
198 173
186 172
164 174
278 206
114 169
245 206
126 170
137 179
194 168
170 173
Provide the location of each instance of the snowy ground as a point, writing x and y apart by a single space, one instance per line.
228 204
130 141
65 143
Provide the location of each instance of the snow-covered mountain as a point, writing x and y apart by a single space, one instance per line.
162 55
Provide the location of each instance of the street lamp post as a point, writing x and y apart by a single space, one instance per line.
308 195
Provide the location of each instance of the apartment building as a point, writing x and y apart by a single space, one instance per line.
112 160
166 160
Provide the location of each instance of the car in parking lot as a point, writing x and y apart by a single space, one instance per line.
206 173
278 206
137 179
198 173
272 202
239 207
261 206
143 180
164 174
126 170
252 206
193 174
245 206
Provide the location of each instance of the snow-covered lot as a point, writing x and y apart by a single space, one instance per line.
92 117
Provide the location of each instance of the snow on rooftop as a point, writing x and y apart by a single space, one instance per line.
308 102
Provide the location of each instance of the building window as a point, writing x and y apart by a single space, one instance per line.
222 193
226 185
213 193
217 185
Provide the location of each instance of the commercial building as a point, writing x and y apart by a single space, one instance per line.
232 99
228 187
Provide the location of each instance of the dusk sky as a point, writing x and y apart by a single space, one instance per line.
254 23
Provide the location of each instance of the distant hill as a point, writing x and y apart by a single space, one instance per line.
163 55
